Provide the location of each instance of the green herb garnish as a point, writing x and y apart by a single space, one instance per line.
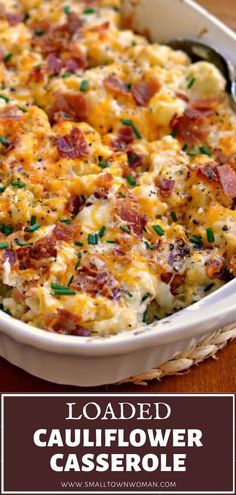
209 287
34 227
17 183
130 123
78 243
158 229
62 290
5 98
174 216
4 141
67 221
7 57
66 75
204 151
102 231
4 245
103 164
131 180
196 239
93 239
125 228
210 235
89 11
67 9
39 31
84 85
191 82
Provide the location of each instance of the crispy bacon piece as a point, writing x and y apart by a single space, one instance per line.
208 172
100 29
175 280
104 183
207 107
227 177
65 232
14 18
10 113
182 96
124 138
94 278
68 323
165 185
36 256
54 64
135 160
190 127
68 106
222 158
116 86
214 267
128 211
72 145
36 75
75 204
74 23
145 90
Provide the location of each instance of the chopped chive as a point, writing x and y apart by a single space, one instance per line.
111 242
4 245
4 141
89 11
209 287
174 133
210 235
22 243
7 229
148 245
78 262
129 294
78 243
129 85
23 109
39 31
158 229
205 151
7 57
2 188
102 231
33 220
145 297
67 9
103 164
67 221
131 180
66 75
70 280
196 239
7 311
125 228
184 147
191 82
144 318
17 183
64 292
130 123
122 195
93 239
5 98
60 288
174 216
34 227
84 85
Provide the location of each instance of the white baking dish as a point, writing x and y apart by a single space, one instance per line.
89 361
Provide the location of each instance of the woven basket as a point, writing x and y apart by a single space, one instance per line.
205 348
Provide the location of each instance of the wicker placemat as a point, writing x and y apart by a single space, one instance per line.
205 348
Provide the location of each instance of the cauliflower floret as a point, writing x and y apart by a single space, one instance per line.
208 82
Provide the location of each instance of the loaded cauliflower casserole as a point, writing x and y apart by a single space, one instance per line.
117 171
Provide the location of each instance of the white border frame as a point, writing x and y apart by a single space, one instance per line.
3 492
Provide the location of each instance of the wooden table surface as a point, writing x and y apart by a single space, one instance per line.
211 376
